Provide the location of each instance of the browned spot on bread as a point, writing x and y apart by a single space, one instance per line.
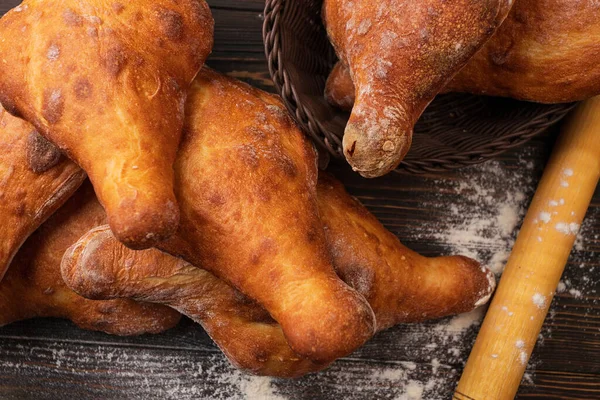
173 85
92 31
82 88
247 154
139 61
218 199
352 149
288 166
241 297
520 15
263 194
171 23
53 52
100 324
501 55
260 354
114 60
313 234
256 132
41 154
8 105
71 18
200 11
20 209
20 194
358 277
267 246
118 8
53 105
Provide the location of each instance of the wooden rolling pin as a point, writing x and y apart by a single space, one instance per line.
514 319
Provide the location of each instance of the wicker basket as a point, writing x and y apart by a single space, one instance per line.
456 129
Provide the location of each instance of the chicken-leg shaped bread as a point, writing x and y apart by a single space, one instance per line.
35 180
339 88
546 51
246 180
106 82
33 286
401 285
99 267
400 54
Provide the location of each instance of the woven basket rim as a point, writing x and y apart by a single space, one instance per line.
548 115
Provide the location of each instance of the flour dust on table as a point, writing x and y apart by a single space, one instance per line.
487 203
413 361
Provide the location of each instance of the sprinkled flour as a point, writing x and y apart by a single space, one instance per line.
148 375
545 217
523 357
539 300
421 359
485 216
567 228
479 218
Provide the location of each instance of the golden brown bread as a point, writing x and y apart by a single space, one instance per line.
33 286
401 285
99 267
546 51
400 54
247 188
246 180
339 88
35 180
106 82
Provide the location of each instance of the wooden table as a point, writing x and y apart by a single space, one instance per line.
471 210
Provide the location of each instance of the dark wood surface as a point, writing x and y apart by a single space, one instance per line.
52 359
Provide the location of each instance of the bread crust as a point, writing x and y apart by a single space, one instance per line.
246 180
400 54
400 285
33 285
546 51
35 180
106 82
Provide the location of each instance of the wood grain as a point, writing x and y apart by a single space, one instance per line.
52 359
537 261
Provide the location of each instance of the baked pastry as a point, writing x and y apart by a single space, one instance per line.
99 267
400 54
542 52
35 180
246 183
106 82
238 193
33 286
546 51
339 88
401 285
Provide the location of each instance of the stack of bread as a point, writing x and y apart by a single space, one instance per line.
204 197
396 56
